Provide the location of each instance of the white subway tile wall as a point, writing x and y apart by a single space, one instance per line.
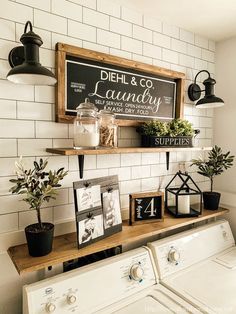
120 27
27 113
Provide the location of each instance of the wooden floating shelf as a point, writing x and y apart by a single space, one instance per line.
65 246
122 150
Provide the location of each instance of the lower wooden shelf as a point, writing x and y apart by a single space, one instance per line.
65 246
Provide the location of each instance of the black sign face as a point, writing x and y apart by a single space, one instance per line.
147 208
128 93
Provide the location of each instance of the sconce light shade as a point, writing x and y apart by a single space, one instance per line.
209 100
24 61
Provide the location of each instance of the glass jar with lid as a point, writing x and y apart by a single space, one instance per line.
108 129
86 126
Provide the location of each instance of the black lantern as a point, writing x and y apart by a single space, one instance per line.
178 199
24 61
209 100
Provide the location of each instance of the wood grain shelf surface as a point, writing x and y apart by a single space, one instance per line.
65 246
122 150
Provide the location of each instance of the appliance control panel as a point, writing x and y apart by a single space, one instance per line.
88 289
180 251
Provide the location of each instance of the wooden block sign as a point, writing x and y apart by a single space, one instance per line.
133 91
146 207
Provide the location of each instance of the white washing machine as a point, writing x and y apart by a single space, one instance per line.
124 284
200 266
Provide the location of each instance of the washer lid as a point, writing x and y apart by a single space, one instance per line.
208 285
159 300
145 305
156 299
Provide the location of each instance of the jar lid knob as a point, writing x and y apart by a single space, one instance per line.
87 105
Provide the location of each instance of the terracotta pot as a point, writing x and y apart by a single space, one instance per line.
39 240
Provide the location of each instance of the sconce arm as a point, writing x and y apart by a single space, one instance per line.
195 79
194 90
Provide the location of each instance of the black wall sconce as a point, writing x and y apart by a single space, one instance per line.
24 60
209 100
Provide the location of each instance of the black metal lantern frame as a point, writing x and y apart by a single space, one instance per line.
184 189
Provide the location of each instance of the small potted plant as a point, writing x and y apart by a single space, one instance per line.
215 165
156 133
39 186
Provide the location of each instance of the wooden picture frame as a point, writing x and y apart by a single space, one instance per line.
64 51
97 209
143 203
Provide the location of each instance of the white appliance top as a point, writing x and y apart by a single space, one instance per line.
124 284
185 249
209 285
228 258
142 305
157 299
93 287
200 266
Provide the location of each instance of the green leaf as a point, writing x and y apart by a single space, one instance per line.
36 165
215 165
60 170
39 186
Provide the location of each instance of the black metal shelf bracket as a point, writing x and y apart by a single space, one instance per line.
81 166
167 160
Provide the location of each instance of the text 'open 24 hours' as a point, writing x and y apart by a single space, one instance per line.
128 93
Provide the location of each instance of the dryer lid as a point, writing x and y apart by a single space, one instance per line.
227 259
208 285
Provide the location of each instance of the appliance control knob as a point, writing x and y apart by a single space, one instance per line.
224 234
173 256
136 272
50 307
71 299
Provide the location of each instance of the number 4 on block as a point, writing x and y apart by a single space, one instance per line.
146 207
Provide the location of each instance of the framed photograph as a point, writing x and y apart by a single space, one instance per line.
83 73
111 208
90 227
88 197
146 207
97 207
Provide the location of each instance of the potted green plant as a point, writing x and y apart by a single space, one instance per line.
215 165
39 187
177 132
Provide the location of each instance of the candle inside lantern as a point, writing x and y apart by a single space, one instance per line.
184 204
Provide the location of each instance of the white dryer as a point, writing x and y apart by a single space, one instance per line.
124 284
200 266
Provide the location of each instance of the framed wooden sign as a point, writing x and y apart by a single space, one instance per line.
134 91
146 207
97 209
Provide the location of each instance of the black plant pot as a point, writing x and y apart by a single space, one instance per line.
145 140
39 241
211 200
